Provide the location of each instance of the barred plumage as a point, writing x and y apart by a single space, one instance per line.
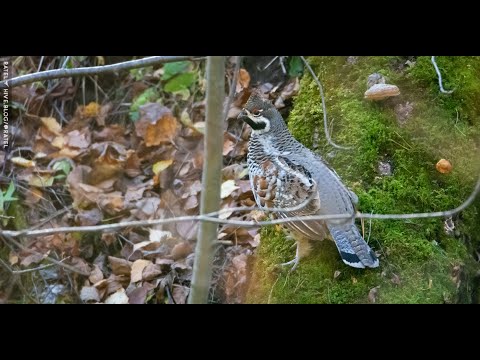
285 174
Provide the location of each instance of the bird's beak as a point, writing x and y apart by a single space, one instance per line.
243 115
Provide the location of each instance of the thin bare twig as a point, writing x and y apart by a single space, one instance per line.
48 258
325 122
27 270
92 70
440 77
233 86
211 217
110 227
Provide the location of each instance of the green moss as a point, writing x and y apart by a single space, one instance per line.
460 74
416 253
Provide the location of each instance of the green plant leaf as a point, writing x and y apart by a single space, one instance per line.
180 82
2 210
140 73
63 166
295 66
149 95
174 68
8 194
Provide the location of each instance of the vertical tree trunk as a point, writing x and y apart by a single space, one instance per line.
211 179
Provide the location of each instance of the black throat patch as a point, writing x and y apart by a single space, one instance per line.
255 125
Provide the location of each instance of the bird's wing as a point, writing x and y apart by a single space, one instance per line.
286 184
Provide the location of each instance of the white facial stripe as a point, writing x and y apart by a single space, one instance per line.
260 119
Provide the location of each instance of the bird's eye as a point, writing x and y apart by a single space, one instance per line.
256 112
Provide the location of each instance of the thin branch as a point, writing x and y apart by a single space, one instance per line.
92 70
27 270
233 86
325 122
110 227
440 77
48 258
211 217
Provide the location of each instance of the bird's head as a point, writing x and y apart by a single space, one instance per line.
261 115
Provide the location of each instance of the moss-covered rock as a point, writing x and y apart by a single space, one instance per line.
419 262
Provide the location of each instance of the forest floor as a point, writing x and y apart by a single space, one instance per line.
128 146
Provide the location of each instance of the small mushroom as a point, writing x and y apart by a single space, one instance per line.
381 91
444 166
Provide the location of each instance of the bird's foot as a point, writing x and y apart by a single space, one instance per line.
293 262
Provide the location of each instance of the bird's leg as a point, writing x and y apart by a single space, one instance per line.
303 249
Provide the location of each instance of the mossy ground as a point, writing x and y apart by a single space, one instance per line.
418 263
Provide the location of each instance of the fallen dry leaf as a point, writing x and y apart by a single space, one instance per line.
199 126
89 217
147 208
112 284
81 264
336 274
52 125
118 297
59 142
255 241
164 129
96 275
191 203
151 271
103 113
159 235
13 258
113 132
234 171
78 139
227 188
135 192
161 165
137 269
236 277
41 180
17 160
185 118
243 80
112 203
32 259
89 294
139 295
180 294
145 246
233 112
187 230
181 250
120 266
33 196
228 145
